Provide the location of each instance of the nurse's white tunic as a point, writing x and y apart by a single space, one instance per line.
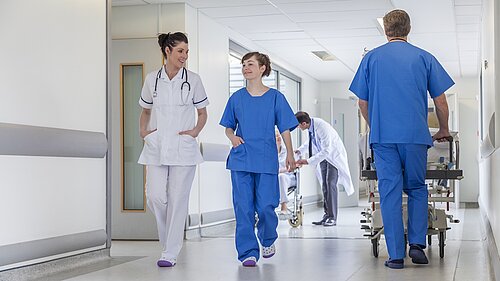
173 111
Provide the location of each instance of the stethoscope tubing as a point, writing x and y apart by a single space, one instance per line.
184 83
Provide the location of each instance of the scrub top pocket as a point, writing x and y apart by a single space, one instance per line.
238 157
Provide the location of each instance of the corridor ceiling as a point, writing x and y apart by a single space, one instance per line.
292 29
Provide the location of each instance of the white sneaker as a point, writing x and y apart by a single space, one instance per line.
268 252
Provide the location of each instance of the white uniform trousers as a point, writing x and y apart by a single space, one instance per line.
286 180
167 193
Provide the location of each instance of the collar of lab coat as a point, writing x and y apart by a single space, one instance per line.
311 128
164 75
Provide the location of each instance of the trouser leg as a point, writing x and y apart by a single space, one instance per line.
244 211
390 186
332 177
284 183
323 165
415 165
266 200
156 194
180 180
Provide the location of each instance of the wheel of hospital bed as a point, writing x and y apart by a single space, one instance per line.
375 247
441 244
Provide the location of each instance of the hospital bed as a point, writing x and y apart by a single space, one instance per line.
442 173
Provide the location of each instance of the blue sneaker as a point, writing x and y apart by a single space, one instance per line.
395 264
417 255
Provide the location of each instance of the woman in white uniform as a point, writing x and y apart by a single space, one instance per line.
170 99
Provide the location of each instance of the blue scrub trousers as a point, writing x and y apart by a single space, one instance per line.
402 167
254 192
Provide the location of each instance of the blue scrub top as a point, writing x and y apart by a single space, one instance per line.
254 120
395 78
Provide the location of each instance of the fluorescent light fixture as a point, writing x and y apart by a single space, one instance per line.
380 25
324 56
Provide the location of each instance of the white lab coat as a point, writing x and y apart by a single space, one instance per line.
171 114
332 150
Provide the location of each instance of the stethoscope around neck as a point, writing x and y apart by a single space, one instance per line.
185 84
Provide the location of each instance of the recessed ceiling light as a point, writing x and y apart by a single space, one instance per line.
324 56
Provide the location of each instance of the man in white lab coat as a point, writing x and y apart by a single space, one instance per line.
327 153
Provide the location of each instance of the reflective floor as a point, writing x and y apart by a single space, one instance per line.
306 253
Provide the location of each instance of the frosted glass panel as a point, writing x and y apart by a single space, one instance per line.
133 173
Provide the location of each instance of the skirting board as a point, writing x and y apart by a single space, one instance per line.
67 264
215 217
491 246
222 220
31 250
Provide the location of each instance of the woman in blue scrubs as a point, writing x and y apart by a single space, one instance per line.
250 117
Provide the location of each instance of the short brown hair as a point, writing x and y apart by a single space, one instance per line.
397 23
262 59
302 117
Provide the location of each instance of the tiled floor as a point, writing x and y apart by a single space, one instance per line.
306 253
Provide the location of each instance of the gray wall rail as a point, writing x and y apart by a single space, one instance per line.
53 142
31 250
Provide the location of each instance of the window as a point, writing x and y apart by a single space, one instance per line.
133 197
236 79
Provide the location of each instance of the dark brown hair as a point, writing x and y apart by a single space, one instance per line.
303 117
262 59
397 23
170 40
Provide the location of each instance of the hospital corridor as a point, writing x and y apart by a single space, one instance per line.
235 140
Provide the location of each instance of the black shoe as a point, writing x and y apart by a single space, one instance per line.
395 264
320 222
417 255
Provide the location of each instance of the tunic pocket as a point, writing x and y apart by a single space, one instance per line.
188 146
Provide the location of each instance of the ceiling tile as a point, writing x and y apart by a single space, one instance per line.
254 10
278 35
264 23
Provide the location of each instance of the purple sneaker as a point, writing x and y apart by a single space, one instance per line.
268 252
249 262
165 263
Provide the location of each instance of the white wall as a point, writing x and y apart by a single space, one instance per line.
467 92
53 74
489 166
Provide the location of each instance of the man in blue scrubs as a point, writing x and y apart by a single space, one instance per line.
391 83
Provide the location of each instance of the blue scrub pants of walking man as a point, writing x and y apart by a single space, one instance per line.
254 192
402 167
